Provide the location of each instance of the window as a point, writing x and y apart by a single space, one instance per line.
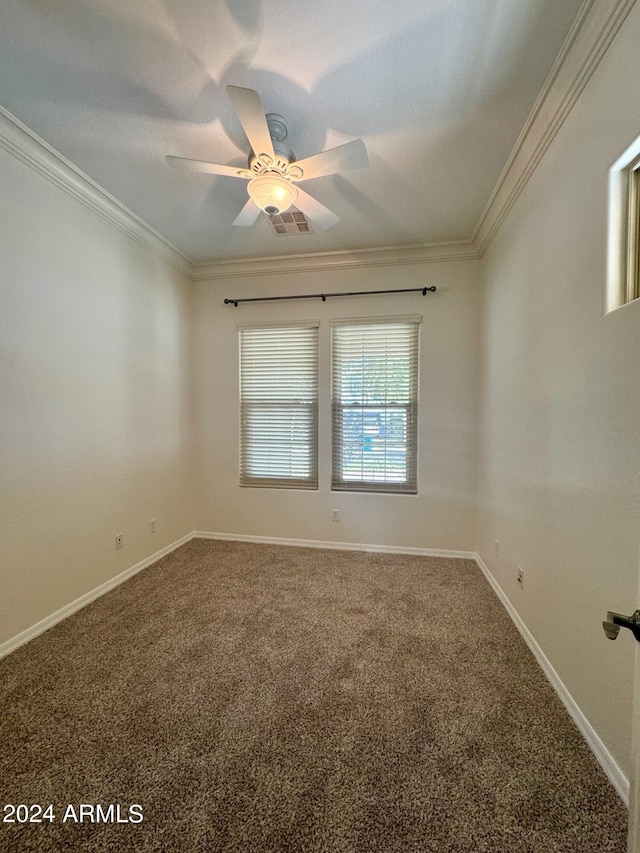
279 406
375 405
623 264
633 234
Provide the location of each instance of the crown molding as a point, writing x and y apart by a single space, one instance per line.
23 144
458 250
592 32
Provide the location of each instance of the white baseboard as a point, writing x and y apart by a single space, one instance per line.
20 639
602 754
336 546
40 627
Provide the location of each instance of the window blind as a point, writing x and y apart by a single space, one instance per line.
279 406
375 405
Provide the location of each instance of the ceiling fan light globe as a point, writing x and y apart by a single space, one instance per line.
272 193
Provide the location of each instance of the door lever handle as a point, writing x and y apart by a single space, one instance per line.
615 621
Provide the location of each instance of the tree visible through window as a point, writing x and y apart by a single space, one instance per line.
375 405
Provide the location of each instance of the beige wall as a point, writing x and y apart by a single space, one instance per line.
119 403
95 431
442 515
559 447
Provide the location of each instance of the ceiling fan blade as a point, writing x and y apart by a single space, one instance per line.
203 166
248 214
250 111
318 213
351 155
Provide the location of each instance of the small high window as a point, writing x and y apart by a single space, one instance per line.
633 234
623 263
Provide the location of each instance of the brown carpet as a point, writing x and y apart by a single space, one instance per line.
260 698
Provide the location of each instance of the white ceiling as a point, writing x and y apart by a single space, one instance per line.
438 89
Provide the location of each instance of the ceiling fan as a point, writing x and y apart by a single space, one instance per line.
273 172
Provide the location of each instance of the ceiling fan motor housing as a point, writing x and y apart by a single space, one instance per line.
278 131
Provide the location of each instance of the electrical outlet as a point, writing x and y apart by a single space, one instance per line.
152 526
119 540
335 515
496 547
520 576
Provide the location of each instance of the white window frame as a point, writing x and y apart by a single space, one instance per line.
381 481
269 357
623 252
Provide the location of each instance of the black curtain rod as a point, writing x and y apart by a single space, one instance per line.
325 296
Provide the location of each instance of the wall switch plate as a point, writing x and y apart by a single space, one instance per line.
335 515
520 576
119 540
496 547
152 526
